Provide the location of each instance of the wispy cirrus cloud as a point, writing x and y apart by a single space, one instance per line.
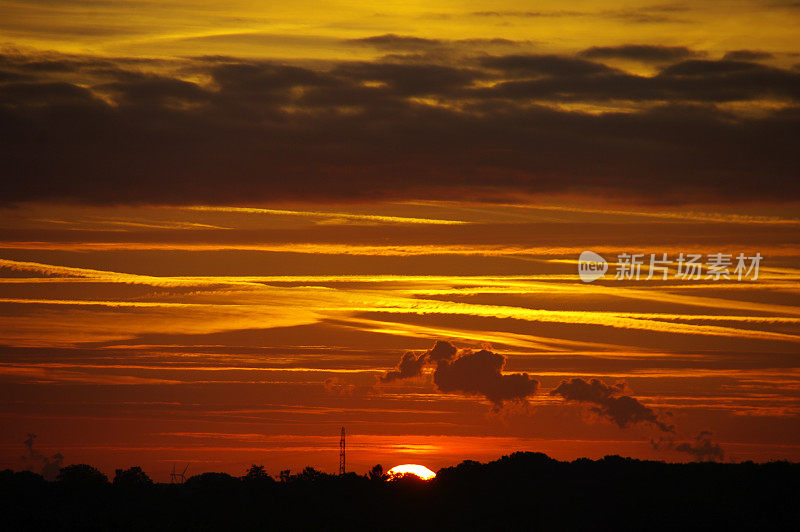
330 216
249 300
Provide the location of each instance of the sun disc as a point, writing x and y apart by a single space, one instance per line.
413 469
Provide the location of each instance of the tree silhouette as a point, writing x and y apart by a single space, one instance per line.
82 475
311 474
257 477
522 491
285 474
131 478
256 472
212 481
376 473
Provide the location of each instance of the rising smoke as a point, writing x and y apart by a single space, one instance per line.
35 461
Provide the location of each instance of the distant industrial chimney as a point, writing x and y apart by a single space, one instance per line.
341 454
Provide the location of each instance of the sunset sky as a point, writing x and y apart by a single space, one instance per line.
228 230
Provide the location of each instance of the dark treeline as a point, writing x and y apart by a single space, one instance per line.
525 491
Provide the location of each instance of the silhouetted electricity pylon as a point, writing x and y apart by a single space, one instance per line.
178 478
341 454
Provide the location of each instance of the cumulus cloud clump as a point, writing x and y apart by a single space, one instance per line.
481 373
478 373
410 365
610 402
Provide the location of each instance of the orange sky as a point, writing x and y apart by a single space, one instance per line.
220 227
221 356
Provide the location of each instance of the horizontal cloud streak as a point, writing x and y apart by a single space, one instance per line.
329 215
226 297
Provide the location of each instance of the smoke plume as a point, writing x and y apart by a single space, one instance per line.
36 461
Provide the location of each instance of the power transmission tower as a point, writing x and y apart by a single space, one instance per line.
178 478
341 454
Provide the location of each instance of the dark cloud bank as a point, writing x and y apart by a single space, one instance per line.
642 52
220 129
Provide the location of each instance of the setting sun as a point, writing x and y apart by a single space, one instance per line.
410 469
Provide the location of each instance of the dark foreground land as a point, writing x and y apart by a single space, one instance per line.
524 491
